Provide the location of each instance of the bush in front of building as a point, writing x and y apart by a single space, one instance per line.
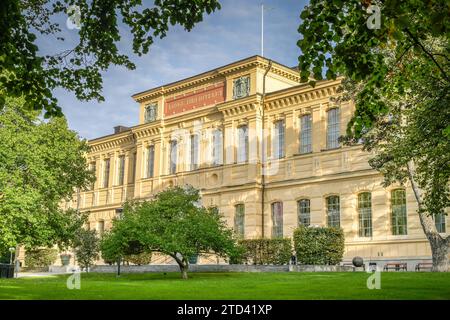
40 257
266 251
319 246
139 259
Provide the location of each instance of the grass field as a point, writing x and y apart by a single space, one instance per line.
348 285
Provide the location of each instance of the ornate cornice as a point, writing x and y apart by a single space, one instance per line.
301 94
239 106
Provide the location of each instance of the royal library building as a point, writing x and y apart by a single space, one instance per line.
265 151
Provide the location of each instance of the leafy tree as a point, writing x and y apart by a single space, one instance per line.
398 76
41 164
86 247
26 73
173 223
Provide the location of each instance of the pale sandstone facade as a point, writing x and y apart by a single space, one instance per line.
184 108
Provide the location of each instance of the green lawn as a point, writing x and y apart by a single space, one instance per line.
348 285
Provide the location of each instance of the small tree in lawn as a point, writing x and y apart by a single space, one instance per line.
86 247
173 223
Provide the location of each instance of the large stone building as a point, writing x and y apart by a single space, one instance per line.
212 130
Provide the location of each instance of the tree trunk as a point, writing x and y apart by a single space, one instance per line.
439 246
183 264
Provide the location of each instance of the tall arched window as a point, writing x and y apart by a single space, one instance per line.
195 154
365 214
277 220
333 128
439 220
150 161
173 155
306 133
121 170
242 151
239 219
217 147
333 211
278 140
304 212
399 215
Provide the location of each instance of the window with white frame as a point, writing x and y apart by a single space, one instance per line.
173 156
217 147
304 212
439 220
399 221
195 156
333 128
278 140
365 214
333 211
277 220
306 133
239 219
106 166
150 161
242 148
121 170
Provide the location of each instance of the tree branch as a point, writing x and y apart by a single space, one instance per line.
427 53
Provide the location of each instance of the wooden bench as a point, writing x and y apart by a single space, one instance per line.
397 266
424 265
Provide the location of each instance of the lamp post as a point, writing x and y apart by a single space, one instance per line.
118 216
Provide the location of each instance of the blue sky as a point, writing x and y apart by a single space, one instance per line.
227 35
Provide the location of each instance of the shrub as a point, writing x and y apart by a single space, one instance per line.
319 245
40 257
266 251
140 258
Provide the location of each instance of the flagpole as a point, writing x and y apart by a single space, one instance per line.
262 30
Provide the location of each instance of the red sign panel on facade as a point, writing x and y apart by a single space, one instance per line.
207 96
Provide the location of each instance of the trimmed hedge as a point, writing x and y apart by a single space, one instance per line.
40 257
139 259
317 246
266 251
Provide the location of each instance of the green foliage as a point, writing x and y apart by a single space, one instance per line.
40 257
398 77
41 163
86 247
266 251
319 245
173 223
33 76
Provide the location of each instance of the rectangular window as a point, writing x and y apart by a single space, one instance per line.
399 213
304 212
194 152
365 214
333 212
106 165
278 140
121 170
306 134
277 220
173 157
242 151
133 173
239 219
217 147
333 128
92 168
150 161
439 220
